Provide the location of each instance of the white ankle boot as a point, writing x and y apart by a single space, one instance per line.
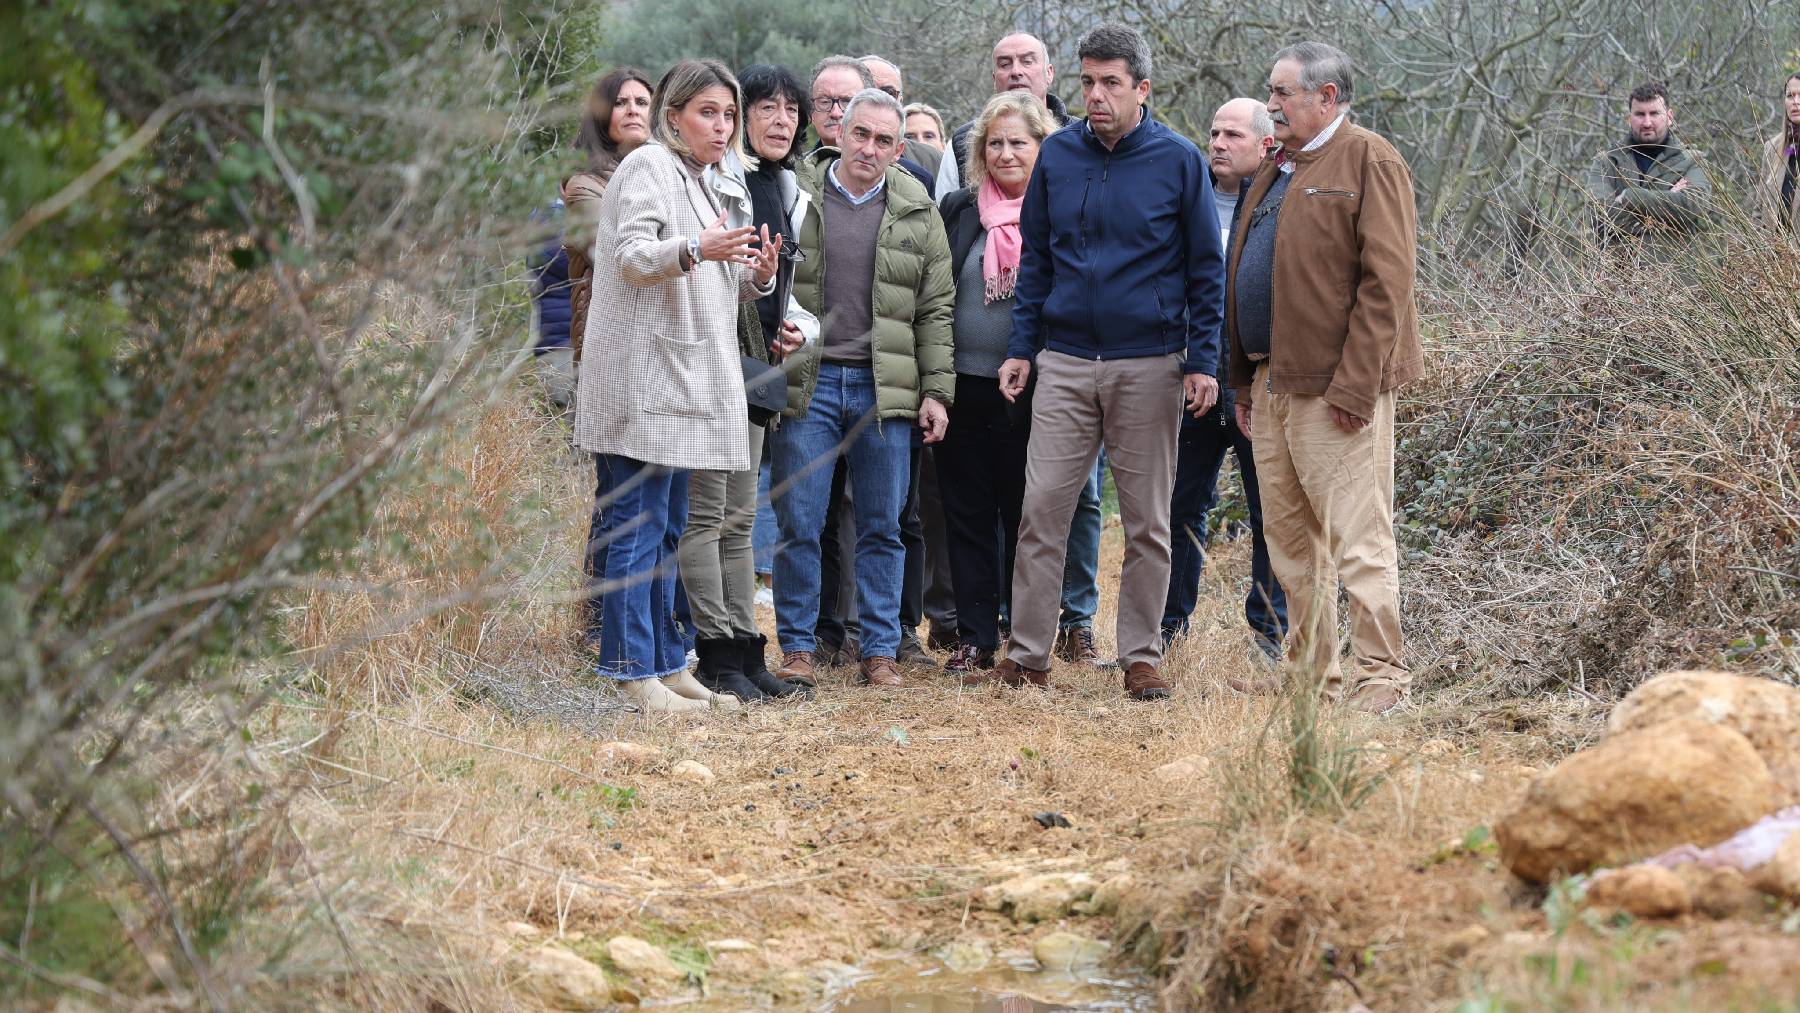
684 685
652 697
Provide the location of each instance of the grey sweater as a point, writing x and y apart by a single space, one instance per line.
981 328
849 232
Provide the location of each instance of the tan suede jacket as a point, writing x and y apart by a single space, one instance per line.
1345 324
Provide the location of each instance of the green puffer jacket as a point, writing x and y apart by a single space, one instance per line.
1630 203
914 297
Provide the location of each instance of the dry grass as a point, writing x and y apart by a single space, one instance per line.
429 784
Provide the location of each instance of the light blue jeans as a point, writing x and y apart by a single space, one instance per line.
1081 567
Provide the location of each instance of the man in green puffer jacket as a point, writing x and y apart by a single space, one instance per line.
874 268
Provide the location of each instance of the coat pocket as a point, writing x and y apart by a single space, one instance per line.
683 379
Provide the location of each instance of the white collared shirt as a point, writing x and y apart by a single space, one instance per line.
1319 141
855 201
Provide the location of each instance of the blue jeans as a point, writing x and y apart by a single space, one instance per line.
643 518
1199 456
1081 567
840 420
765 534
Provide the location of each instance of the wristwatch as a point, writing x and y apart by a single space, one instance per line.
694 251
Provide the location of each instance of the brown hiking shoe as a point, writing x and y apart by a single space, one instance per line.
1143 682
797 667
1076 644
879 671
1375 697
1011 673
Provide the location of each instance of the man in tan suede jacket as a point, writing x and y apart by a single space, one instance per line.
1323 330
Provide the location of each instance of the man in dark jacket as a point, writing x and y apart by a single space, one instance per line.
1650 187
1118 305
1242 133
1021 63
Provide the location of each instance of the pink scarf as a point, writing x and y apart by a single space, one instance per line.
1000 257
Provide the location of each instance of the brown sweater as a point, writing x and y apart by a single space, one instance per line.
1344 324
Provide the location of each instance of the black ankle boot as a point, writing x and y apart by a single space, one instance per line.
756 669
722 672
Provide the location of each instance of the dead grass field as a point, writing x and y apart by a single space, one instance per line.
860 828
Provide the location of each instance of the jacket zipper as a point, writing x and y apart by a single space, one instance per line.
1093 295
1322 191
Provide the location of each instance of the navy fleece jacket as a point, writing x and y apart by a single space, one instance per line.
1121 250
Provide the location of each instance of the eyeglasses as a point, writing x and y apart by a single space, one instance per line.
825 103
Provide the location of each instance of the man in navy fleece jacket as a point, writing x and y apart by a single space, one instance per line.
1119 300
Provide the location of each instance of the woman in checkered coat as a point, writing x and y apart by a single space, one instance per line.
660 389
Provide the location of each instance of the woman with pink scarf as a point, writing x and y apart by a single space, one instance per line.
981 463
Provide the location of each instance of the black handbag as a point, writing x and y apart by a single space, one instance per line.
765 388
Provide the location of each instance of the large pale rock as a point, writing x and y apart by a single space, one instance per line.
1646 891
643 962
630 755
694 771
562 980
1761 710
1068 952
1041 898
1636 794
966 957
1781 875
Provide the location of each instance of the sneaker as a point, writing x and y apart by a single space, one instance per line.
878 671
967 659
1076 644
913 653
1143 682
765 597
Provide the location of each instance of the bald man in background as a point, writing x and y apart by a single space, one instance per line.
1241 137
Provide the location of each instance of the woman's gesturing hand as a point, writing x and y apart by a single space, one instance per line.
767 258
729 246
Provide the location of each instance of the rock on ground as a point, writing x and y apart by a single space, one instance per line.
692 770
965 957
1719 892
562 980
630 755
1186 770
1761 710
1068 951
1781 875
643 962
1635 794
1459 943
1645 891
1040 898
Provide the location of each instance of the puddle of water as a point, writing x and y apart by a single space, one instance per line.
1001 990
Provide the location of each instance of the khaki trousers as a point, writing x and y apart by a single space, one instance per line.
1134 407
717 559
1328 514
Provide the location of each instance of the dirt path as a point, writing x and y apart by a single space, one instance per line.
493 831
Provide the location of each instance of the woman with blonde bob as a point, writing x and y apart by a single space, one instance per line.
981 463
661 391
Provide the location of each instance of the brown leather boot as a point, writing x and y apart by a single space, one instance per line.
1077 645
1143 682
797 667
1011 673
877 670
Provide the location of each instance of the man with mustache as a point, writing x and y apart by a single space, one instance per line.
1117 311
883 364
1323 330
1651 186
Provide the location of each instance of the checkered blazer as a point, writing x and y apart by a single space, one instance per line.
660 380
